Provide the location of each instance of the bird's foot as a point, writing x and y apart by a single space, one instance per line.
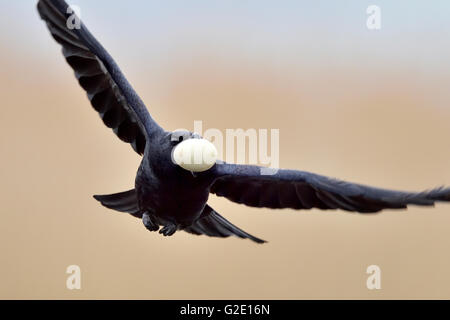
149 223
169 229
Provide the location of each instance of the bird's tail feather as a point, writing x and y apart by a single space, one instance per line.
211 224
123 201
214 225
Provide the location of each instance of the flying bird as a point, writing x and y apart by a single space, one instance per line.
171 194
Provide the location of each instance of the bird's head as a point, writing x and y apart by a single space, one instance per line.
191 152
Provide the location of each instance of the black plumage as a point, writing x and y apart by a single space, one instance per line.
166 194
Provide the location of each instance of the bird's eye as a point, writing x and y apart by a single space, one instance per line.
179 136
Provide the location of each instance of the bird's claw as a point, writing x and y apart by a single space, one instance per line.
149 223
168 230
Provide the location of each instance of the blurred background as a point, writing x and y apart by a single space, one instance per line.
369 106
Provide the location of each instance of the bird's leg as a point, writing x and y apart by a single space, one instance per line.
169 229
149 223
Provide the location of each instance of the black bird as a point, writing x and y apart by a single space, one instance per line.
167 195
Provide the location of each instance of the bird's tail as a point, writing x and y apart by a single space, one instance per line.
211 224
214 225
123 201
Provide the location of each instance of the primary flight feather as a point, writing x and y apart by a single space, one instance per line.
173 195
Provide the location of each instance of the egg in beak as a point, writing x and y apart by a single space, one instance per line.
195 155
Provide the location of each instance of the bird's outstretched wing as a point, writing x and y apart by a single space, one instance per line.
108 90
303 190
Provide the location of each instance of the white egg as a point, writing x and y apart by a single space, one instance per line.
195 155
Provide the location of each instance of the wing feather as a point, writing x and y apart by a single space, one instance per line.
303 190
109 92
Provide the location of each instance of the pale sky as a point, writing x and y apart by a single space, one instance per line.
412 31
